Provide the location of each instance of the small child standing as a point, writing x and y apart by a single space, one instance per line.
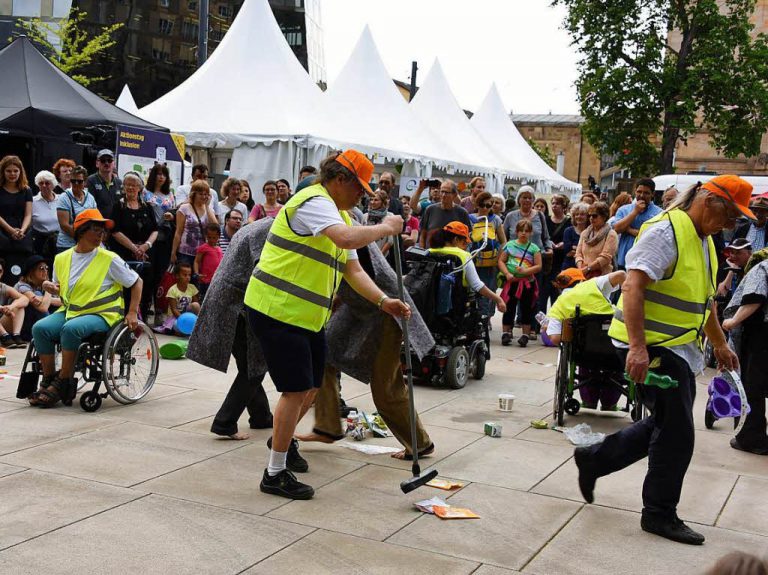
520 261
182 297
208 258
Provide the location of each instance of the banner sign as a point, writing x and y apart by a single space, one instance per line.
139 149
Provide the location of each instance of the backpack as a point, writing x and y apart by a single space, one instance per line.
490 255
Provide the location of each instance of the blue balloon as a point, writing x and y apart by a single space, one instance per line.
185 323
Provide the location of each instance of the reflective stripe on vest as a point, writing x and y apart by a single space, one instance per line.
463 255
676 307
85 297
297 276
587 296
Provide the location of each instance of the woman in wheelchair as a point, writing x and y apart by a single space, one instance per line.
89 280
593 298
453 240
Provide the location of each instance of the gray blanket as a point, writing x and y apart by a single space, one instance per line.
214 333
353 330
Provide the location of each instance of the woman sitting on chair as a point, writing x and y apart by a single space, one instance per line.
89 280
453 240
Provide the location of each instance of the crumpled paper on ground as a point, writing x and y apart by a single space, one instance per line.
582 435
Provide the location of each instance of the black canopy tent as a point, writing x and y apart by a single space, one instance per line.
45 114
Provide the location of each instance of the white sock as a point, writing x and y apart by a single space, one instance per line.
276 462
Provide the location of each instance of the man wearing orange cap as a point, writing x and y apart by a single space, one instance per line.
310 248
90 281
665 305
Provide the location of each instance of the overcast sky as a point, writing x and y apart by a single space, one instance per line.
519 44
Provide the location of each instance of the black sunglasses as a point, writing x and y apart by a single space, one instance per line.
73 181
486 206
106 160
594 216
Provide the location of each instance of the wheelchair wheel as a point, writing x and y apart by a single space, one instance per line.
561 386
709 354
90 401
457 368
130 363
572 406
638 411
478 360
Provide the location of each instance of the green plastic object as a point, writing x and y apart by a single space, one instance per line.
175 349
660 381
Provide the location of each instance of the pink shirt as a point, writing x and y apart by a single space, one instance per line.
258 211
212 256
411 224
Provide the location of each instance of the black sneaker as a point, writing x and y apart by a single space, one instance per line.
506 338
344 409
672 529
285 484
523 341
18 342
6 341
757 450
587 478
294 461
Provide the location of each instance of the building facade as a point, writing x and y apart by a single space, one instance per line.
561 134
156 50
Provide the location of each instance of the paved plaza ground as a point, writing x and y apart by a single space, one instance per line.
147 489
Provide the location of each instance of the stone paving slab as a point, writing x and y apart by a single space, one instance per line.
747 507
492 570
10 469
34 503
531 391
325 552
170 411
608 541
512 528
379 509
505 462
232 480
469 414
28 427
623 490
154 535
122 455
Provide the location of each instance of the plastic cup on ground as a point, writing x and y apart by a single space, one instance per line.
506 401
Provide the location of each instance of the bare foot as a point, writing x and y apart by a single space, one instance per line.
314 437
239 436
399 455
404 455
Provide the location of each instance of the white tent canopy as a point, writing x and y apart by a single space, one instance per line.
372 115
252 89
436 106
498 130
126 102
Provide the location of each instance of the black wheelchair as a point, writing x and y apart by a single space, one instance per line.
452 314
587 356
124 361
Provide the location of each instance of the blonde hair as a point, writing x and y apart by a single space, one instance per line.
198 187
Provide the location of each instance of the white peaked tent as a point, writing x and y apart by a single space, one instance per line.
251 89
437 108
371 114
126 102
498 130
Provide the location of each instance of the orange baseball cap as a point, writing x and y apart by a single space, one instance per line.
734 189
92 215
458 229
359 165
568 277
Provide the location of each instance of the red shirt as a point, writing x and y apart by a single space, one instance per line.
212 256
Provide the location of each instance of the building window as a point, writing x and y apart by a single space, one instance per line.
190 30
164 3
161 55
192 5
225 11
165 26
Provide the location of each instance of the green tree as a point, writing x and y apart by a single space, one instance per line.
68 44
653 72
543 152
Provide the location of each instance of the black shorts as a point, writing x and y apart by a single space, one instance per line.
295 356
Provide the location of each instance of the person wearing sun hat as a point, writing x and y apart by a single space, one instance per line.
659 319
309 250
89 280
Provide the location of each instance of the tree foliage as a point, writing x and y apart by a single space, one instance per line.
653 72
68 44
543 152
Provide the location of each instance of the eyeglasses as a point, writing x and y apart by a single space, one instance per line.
42 268
106 160
73 181
446 191
486 206
592 216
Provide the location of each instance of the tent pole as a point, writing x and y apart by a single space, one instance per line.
202 34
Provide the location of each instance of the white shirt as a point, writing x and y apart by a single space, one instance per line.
654 253
182 195
44 217
316 215
223 210
118 273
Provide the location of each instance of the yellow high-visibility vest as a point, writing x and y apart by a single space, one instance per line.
463 255
676 307
587 296
86 296
297 275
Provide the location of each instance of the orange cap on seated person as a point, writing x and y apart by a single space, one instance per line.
92 215
568 277
458 229
357 163
734 189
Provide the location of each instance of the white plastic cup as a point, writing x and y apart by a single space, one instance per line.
506 401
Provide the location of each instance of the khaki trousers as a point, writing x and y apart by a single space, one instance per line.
388 388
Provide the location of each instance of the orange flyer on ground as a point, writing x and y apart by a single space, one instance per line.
454 513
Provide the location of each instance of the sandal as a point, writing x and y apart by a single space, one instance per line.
58 390
426 452
33 398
